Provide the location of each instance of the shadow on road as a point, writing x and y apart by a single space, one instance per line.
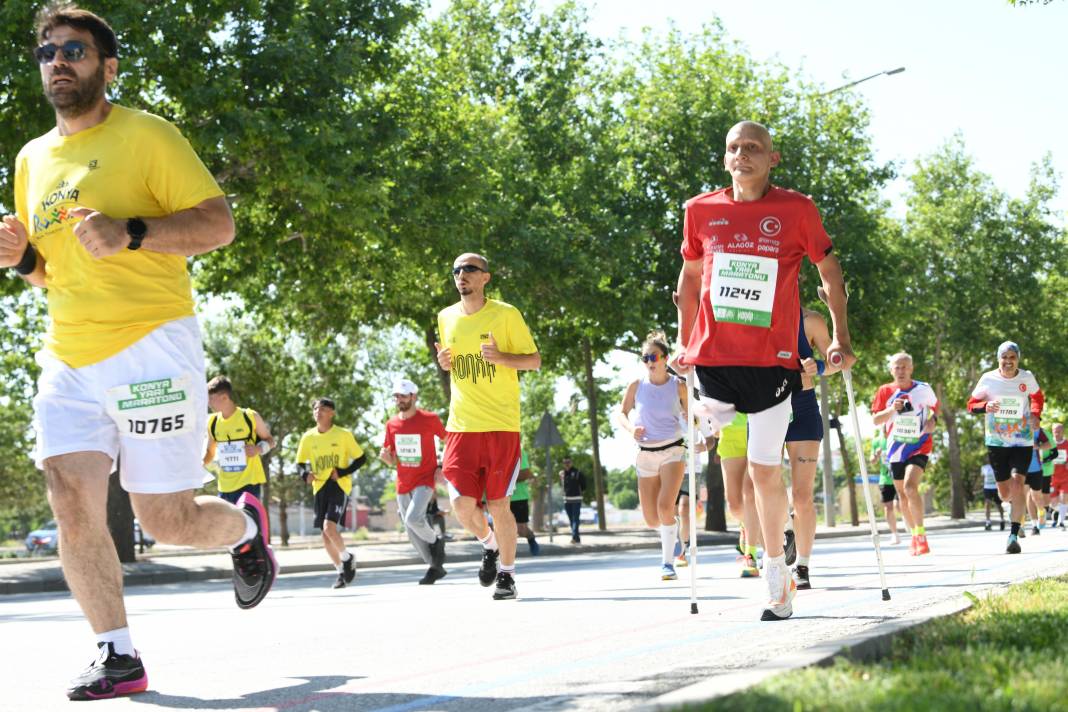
327 693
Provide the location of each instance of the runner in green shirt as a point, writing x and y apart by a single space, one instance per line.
520 504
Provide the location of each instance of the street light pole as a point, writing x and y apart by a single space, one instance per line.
888 72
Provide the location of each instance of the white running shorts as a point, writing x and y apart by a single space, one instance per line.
146 404
648 463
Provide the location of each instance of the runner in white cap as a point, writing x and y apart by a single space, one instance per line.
409 446
1009 396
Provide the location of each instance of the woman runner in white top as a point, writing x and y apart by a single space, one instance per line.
659 402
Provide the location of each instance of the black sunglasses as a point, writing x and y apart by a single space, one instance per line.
469 269
73 51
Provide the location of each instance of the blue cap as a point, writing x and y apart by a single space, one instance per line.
1008 346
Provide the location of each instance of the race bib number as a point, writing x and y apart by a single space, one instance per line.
152 410
1062 457
742 289
409 450
231 456
906 428
1010 408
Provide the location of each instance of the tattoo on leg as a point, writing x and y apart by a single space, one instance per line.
803 460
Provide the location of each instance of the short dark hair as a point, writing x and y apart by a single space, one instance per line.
68 14
328 402
220 384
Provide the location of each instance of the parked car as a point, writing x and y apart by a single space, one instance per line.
43 541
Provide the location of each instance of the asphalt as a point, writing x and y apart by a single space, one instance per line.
175 565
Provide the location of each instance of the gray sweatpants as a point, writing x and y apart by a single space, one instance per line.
412 509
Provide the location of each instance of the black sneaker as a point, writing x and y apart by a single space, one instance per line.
1036 531
1013 546
434 573
339 582
989 525
110 675
801 578
255 567
487 573
348 568
505 590
1023 533
1002 525
437 553
789 546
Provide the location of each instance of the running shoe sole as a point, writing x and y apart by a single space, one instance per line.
130 687
790 546
1013 548
246 501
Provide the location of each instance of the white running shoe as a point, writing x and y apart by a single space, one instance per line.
895 539
781 590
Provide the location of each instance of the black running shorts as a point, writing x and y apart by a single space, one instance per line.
897 469
1007 460
750 389
330 504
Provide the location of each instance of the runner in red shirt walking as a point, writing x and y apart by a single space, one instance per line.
738 318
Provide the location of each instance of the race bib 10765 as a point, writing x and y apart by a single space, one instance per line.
151 410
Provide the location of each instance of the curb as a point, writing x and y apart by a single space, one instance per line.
863 647
133 574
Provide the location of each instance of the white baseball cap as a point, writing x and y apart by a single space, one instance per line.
404 387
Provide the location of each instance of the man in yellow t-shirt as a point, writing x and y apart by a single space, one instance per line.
327 457
484 345
238 438
109 205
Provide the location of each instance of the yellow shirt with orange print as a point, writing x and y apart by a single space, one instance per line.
132 164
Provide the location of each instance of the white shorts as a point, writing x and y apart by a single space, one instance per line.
147 404
648 463
767 429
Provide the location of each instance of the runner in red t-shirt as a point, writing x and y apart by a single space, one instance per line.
409 446
738 318
1059 484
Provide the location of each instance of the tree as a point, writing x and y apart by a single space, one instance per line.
982 265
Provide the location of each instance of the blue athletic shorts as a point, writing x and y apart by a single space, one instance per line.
807 423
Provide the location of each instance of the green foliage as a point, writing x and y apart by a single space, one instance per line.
1006 651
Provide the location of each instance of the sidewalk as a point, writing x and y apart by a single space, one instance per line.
177 565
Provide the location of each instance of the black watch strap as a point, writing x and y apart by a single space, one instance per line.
136 229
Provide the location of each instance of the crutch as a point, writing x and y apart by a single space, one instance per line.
694 434
847 376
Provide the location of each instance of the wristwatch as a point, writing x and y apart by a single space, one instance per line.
136 229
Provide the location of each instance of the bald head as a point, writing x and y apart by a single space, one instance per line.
751 130
468 258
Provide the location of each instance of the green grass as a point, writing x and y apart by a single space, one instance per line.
1005 653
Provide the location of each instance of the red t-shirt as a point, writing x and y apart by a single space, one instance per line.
413 442
1061 471
752 245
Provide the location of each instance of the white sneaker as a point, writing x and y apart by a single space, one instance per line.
781 590
895 539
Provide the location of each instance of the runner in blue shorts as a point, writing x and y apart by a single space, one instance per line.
803 437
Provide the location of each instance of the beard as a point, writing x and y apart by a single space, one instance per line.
75 99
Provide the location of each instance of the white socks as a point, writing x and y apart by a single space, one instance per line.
119 639
668 536
801 560
490 542
251 529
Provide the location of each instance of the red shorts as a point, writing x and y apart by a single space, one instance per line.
481 463
1059 485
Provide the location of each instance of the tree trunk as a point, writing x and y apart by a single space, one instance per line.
120 519
443 375
854 515
715 508
957 505
591 400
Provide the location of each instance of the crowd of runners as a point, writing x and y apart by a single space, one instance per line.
111 203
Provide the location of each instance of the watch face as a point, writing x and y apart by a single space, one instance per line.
136 228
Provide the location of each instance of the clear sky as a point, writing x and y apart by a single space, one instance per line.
993 72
